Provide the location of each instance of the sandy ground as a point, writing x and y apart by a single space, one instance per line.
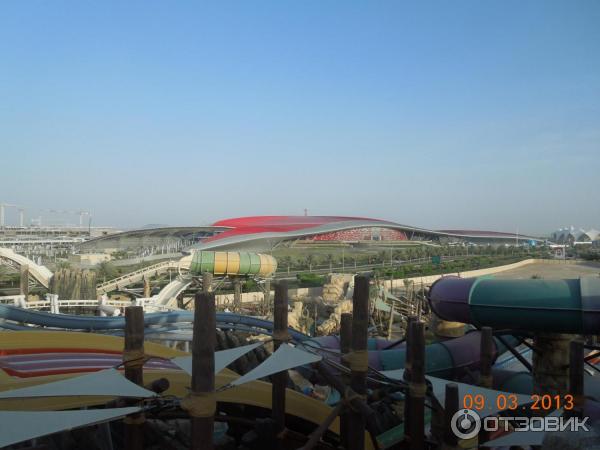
566 270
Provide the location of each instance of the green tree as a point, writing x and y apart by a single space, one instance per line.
107 271
286 261
330 259
309 260
62 264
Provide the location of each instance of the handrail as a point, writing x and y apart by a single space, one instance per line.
87 303
136 275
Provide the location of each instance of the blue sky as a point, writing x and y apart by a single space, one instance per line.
438 114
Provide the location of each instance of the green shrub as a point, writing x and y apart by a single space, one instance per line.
310 280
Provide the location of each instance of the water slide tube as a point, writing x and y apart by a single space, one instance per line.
93 323
442 359
233 263
559 306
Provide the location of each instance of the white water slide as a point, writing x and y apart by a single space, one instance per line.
172 290
40 273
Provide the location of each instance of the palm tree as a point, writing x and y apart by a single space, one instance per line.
418 252
330 259
309 259
352 259
286 261
381 256
107 271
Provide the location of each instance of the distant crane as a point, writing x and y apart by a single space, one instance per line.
81 213
21 210
21 217
2 212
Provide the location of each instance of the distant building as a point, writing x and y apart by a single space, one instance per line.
48 241
263 233
576 236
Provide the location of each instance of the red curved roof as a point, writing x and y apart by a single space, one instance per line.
241 226
278 223
264 224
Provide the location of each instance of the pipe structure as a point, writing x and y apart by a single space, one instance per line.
442 358
557 306
92 323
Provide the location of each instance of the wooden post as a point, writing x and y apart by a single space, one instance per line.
407 369
551 363
201 402
207 279
280 337
451 405
133 361
237 295
267 297
147 288
391 322
345 348
417 387
359 362
576 372
24 281
346 334
487 355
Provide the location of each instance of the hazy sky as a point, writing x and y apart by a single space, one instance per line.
436 114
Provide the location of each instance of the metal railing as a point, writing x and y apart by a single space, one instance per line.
54 303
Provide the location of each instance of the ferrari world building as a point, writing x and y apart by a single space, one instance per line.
266 232
263 233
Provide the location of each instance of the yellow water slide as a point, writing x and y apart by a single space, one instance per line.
233 263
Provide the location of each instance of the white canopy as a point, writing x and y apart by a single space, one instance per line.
222 358
18 426
108 382
286 357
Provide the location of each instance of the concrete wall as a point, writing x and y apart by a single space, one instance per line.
256 297
87 260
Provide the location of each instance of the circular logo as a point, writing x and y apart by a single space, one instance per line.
465 424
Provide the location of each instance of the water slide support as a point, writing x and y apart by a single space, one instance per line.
555 310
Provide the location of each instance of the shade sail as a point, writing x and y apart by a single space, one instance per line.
286 357
107 382
18 426
222 358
